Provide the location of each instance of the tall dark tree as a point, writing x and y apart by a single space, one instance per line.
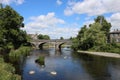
10 23
61 38
94 35
105 24
81 32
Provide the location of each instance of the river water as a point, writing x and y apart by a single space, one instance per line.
68 65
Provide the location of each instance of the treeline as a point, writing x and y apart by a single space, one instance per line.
41 36
11 36
95 37
13 42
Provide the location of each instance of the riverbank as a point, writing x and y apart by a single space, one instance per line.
104 54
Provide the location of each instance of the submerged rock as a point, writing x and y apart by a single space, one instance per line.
31 72
53 73
65 57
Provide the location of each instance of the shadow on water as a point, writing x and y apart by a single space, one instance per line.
100 68
68 65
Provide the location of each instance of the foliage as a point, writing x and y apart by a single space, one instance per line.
105 25
75 44
40 60
10 33
95 37
11 38
40 36
15 55
90 37
7 71
61 38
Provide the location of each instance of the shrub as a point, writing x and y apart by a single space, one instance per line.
7 71
40 60
15 55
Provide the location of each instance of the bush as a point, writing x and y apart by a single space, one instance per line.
15 55
114 48
7 71
40 60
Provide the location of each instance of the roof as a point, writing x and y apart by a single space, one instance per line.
115 32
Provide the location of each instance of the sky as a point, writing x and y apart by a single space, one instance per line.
64 18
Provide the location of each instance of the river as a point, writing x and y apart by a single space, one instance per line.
68 65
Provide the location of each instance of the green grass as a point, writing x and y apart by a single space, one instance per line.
7 71
113 48
15 55
40 60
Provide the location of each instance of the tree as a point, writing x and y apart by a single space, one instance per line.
81 32
61 38
46 37
71 38
105 25
10 23
89 37
40 36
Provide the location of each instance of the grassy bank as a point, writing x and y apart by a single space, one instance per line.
104 54
112 48
14 59
16 55
7 71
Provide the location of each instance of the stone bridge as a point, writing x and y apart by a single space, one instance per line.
57 43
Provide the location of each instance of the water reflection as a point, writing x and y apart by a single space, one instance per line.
70 66
100 68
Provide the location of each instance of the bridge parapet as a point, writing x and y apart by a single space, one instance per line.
57 42
53 40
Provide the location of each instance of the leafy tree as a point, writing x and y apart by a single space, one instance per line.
10 23
75 44
105 25
89 37
61 38
81 32
46 37
40 36
71 38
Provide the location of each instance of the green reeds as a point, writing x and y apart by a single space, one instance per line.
7 71
40 60
15 55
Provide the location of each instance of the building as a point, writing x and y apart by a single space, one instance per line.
114 36
33 36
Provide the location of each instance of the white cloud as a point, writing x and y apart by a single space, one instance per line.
92 7
43 21
59 2
11 1
51 25
115 21
88 22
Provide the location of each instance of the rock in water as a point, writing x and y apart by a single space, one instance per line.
53 73
31 72
65 57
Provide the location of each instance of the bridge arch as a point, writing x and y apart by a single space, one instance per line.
40 46
56 42
33 45
60 45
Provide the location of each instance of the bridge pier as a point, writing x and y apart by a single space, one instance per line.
41 45
57 47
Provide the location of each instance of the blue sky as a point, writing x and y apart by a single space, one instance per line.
64 18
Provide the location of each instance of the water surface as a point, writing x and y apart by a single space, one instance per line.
70 66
